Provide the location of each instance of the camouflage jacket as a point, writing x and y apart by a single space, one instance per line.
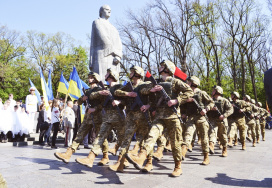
237 105
223 105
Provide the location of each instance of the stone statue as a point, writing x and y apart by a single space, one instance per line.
106 45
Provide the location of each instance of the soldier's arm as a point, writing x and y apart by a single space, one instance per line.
208 101
80 100
245 106
184 90
95 95
229 109
146 89
120 93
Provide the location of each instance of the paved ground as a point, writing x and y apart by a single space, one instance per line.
35 166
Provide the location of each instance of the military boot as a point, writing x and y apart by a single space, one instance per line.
148 166
230 144
243 146
190 148
88 161
224 152
105 160
135 149
254 142
183 151
114 150
235 141
258 140
211 148
177 171
158 155
126 163
137 161
263 136
206 159
168 147
65 157
119 165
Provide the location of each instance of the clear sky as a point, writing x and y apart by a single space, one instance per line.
72 17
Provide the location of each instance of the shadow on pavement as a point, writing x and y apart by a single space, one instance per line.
75 168
223 179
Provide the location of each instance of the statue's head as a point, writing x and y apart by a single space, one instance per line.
105 12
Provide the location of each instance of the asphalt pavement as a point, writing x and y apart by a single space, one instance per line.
36 166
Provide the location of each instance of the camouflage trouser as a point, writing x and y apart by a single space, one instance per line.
252 126
200 123
174 131
161 142
135 122
232 130
258 129
241 126
263 127
3 183
220 129
85 128
111 121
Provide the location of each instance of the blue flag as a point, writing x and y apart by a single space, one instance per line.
36 91
50 94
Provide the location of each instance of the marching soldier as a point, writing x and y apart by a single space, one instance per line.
165 117
111 119
264 115
218 118
93 118
196 108
250 121
237 119
135 119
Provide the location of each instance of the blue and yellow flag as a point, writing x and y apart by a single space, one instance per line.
63 85
75 90
50 94
36 91
84 85
45 90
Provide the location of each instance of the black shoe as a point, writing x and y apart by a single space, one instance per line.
87 147
54 147
78 148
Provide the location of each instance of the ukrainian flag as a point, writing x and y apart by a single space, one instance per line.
75 90
45 90
84 85
63 85
36 91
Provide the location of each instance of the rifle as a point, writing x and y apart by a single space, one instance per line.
88 105
219 113
138 102
165 97
111 99
242 111
200 109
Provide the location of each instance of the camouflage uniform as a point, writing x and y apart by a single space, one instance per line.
111 120
165 118
196 120
258 125
88 122
251 123
220 127
237 119
135 120
264 115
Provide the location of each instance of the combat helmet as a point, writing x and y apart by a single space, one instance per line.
252 101
247 97
113 73
236 94
260 104
218 89
95 75
195 80
169 65
138 70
